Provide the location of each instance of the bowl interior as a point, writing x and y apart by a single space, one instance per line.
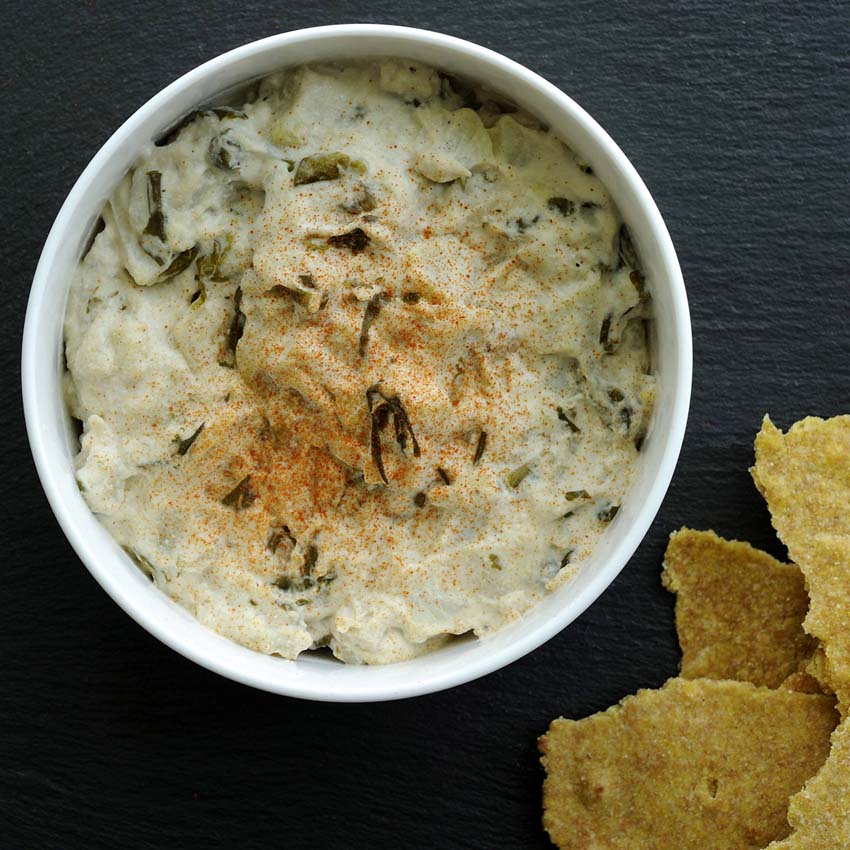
54 439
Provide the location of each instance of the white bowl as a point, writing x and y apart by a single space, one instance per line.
53 441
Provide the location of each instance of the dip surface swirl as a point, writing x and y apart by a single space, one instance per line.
361 363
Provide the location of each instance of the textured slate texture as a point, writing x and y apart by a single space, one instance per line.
736 116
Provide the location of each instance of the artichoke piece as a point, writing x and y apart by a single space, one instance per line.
325 166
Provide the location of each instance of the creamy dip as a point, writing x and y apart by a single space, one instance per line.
361 363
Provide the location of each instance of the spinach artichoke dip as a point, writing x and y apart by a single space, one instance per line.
361 362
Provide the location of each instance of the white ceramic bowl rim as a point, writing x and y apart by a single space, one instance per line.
309 677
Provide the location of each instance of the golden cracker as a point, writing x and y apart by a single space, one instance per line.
739 612
698 765
804 476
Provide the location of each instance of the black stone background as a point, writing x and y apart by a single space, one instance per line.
737 117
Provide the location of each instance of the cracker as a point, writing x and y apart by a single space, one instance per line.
820 813
739 612
804 476
698 765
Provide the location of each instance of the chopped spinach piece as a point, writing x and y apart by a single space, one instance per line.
569 422
224 152
381 408
355 240
237 325
639 282
479 447
241 496
626 253
156 221
369 315
200 296
517 476
221 112
179 264
311 555
183 446
277 536
607 514
564 206
604 334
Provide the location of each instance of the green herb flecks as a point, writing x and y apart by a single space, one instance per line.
411 297
494 561
639 441
179 264
479 447
607 514
183 446
156 221
355 241
381 409
444 476
566 419
518 475
420 500
567 558
564 206
369 316
241 496
572 495
324 166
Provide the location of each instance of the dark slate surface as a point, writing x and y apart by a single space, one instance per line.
738 120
